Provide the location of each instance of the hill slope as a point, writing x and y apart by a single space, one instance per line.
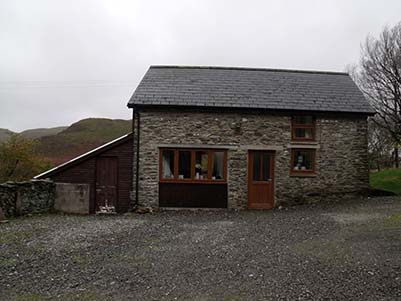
41 132
81 137
32 133
4 134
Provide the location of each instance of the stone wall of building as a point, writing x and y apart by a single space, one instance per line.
20 198
341 152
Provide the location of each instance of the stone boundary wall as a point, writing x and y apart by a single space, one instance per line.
21 198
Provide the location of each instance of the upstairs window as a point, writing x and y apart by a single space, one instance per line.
303 128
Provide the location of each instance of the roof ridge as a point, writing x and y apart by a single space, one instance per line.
247 69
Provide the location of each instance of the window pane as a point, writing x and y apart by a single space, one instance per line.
266 166
184 165
218 166
303 133
303 159
256 166
303 119
168 164
201 165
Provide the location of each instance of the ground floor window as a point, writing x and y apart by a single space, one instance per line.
303 160
193 165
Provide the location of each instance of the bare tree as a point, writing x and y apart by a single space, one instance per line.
379 77
380 146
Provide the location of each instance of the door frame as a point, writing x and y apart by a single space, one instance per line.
117 181
272 172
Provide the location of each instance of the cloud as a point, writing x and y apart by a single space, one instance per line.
65 60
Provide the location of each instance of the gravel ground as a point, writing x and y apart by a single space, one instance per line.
347 250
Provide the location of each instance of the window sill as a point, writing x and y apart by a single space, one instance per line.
304 140
301 174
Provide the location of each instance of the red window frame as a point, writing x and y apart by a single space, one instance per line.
311 126
313 161
192 179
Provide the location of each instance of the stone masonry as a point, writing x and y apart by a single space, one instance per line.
21 198
341 152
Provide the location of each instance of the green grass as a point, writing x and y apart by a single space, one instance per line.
393 220
388 180
16 236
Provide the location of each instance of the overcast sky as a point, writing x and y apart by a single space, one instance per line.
61 61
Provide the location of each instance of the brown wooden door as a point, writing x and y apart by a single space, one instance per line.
106 181
261 180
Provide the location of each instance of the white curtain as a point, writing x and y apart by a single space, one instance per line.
218 165
167 173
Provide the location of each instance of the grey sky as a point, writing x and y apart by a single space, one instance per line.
61 61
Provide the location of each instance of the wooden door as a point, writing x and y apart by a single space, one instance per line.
106 181
261 180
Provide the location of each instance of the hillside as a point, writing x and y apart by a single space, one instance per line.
42 132
32 133
4 134
81 137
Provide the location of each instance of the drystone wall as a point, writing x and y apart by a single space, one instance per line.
21 198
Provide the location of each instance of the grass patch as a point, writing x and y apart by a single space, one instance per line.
30 297
388 180
326 250
15 237
393 220
88 295
7 262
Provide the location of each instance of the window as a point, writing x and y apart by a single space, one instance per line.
303 160
168 164
201 165
303 128
193 165
261 166
184 165
218 165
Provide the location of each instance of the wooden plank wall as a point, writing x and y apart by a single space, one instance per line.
85 172
193 195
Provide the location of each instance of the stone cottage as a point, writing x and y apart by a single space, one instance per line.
247 137
231 138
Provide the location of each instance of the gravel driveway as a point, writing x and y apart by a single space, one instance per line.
348 250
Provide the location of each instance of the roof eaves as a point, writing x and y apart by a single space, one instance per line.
257 107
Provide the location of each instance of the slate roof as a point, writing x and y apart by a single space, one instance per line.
250 88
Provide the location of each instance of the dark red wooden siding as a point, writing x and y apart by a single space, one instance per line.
85 172
193 195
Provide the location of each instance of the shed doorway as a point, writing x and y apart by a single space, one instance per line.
106 182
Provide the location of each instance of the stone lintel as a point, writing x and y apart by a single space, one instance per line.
263 147
208 146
